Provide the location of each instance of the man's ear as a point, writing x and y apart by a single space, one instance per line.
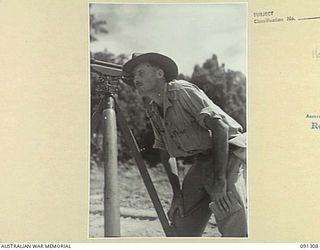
160 73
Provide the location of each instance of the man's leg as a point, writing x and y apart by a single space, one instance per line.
196 204
235 224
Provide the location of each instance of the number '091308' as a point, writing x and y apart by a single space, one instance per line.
305 245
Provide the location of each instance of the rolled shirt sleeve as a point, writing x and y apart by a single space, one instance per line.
196 102
199 105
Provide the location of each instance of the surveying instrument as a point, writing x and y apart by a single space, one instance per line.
109 114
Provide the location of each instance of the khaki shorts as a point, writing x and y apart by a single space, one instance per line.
196 200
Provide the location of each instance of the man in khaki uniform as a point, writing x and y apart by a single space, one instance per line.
186 122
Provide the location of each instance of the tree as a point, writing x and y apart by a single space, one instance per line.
96 27
227 89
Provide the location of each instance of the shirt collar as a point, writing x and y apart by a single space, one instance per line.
166 101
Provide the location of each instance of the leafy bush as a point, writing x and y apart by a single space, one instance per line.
227 89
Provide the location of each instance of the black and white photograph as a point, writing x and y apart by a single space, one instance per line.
131 123
168 120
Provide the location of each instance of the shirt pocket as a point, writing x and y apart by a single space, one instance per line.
188 136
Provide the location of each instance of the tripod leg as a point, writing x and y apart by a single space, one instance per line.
169 231
111 189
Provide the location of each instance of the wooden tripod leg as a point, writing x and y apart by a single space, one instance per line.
127 133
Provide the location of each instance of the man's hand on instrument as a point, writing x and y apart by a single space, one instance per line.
176 204
219 194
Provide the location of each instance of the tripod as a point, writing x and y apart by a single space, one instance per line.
111 114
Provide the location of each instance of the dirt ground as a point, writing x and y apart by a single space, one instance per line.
138 217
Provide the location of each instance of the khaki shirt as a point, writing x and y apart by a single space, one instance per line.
180 130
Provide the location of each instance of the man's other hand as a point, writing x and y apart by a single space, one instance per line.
219 195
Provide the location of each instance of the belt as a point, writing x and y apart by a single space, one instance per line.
208 151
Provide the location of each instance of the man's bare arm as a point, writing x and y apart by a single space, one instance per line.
217 176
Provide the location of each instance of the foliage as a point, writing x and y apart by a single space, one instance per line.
227 89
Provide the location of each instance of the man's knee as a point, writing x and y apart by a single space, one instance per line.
195 220
234 225
190 226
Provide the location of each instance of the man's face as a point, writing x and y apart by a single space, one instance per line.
145 78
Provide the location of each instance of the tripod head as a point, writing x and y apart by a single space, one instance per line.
109 76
